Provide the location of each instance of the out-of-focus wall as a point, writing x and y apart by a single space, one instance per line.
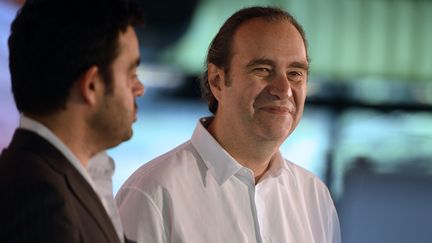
8 112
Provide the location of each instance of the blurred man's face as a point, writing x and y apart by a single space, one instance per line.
118 110
265 90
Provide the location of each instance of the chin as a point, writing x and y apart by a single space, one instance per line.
127 136
112 145
275 134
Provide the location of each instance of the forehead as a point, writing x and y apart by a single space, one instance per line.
269 38
128 46
128 39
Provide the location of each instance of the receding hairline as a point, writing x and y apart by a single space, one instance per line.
268 19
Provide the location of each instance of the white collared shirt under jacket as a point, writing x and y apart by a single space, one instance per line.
197 193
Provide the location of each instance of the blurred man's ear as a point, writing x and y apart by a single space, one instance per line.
91 85
216 79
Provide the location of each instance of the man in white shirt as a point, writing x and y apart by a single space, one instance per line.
230 183
73 70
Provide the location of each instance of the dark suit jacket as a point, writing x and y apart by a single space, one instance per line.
43 198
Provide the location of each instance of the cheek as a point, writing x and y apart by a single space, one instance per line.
249 96
299 93
125 97
244 91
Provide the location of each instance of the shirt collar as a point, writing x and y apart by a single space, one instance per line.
278 165
43 131
219 163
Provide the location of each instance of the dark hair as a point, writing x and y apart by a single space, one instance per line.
220 53
52 43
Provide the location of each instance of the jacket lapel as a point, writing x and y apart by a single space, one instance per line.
77 183
88 197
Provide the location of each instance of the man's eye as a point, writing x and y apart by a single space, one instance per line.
262 71
295 76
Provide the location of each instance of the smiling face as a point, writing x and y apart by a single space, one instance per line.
263 94
117 112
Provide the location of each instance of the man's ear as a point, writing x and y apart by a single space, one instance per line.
216 79
90 84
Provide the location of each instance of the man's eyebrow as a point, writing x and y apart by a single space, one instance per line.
266 61
302 65
260 61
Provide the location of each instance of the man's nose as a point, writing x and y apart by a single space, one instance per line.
138 89
280 86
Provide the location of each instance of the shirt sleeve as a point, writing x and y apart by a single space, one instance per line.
141 218
334 226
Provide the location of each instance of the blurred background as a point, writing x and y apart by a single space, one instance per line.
366 130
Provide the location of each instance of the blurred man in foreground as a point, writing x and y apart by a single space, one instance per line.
73 70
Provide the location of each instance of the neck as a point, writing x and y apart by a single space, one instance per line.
71 133
252 153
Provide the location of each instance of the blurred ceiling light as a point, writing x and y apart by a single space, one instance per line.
160 76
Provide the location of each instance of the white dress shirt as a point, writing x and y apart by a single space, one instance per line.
101 169
198 193
98 174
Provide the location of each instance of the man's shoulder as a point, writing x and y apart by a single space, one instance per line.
303 176
166 168
16 163
26 172
36 166
37 179
28 157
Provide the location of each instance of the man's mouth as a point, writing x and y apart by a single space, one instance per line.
135 112
280 109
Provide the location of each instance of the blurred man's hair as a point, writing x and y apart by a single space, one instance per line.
52 43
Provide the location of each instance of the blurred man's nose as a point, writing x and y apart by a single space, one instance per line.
138 89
